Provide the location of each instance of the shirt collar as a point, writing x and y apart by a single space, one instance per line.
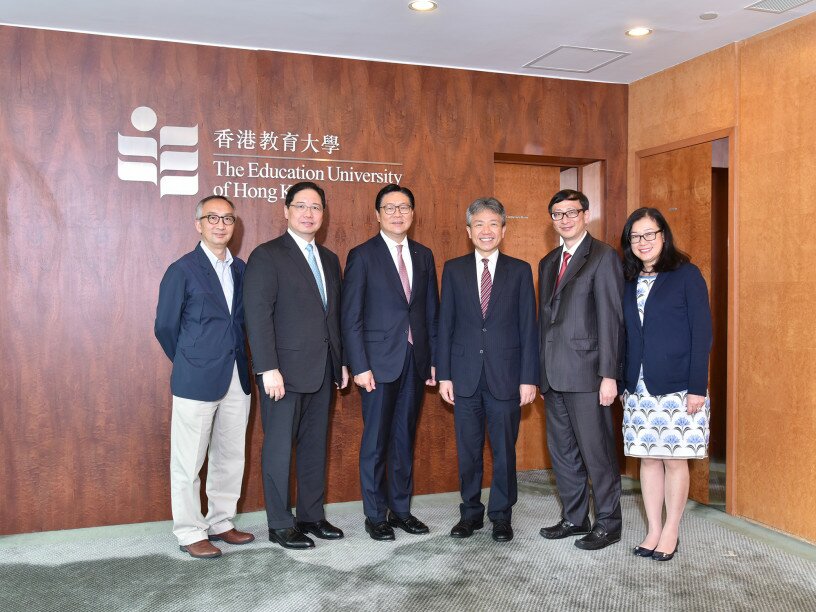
391 244
574 246
494 257
300 241
212 257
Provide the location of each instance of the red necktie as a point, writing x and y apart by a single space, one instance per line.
562 270
406 286
487 285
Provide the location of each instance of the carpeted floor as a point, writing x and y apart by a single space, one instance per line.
723 564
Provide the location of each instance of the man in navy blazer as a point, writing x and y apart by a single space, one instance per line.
389 322
487 364
292 297
200 326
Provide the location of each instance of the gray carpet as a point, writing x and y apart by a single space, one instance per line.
718 568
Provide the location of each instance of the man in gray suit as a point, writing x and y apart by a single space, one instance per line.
581 325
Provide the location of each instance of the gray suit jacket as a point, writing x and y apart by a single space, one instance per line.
580 323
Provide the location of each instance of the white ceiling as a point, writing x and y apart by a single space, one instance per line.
496 36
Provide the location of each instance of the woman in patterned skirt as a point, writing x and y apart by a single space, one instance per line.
668 340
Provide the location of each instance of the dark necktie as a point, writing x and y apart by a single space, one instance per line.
487 285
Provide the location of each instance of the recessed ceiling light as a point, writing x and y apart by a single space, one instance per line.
638 32
709 16
422 5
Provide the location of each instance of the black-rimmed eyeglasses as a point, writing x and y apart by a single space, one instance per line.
647 236
569 214
214 219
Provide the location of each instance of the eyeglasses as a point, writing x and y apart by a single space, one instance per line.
214 219
390 209
569 214
315 208
647 236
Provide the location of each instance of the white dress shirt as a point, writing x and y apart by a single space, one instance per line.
302 246
406 256
571 251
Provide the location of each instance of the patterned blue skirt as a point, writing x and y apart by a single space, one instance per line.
658 426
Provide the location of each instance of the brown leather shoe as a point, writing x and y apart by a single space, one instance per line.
233 536
201 550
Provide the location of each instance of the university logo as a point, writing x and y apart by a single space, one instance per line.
171 162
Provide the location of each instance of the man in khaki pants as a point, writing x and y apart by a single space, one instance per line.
200 326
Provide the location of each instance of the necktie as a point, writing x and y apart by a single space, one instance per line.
316 271
406 286
487 285
562 270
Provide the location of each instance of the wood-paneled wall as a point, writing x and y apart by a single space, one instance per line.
762 89
84 421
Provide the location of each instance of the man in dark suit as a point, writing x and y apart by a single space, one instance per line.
200 326
487 364
390 310
292 297
580 326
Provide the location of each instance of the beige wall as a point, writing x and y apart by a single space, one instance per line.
763 88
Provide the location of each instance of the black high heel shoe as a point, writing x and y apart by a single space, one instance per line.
661 556
643 552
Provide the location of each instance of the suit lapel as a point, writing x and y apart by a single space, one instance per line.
212 279
301 265
576 263
469 269
236 284
661 278
499 283
331 278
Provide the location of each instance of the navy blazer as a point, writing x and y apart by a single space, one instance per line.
504 343
674 342
197 331
375 314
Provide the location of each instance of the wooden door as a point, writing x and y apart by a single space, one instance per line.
678 183
525 190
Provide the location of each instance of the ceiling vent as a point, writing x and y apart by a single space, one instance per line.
575 59
776 6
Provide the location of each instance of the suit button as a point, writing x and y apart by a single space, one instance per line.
325 339
405 332
484 329
481 351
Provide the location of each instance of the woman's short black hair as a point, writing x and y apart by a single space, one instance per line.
670 257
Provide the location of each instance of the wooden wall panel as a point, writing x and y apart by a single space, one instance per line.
777 172
84 429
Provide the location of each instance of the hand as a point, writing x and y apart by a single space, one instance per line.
694 403
366 380
446 390
431 382
609 389
344 378
527 393
273 384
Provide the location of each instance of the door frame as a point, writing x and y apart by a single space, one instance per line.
732 345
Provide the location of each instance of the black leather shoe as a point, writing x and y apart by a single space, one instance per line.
661 556
322 529
290 538
502 531
643 552
379 531
597 539
411 524
564 529
465 528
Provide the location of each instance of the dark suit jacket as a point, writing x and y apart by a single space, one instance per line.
287 327
197 331
504 343
376 314
580 324
674 342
